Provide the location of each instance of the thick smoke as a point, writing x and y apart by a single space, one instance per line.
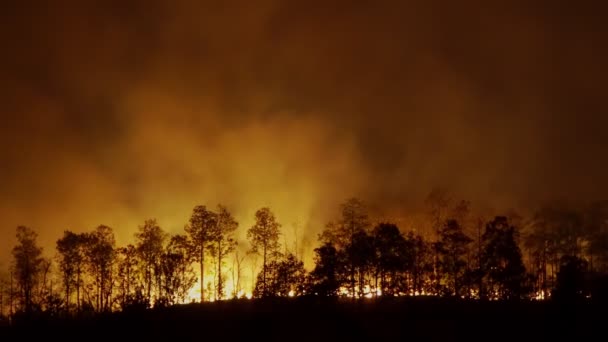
118 111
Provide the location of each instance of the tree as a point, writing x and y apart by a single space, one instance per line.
176 267
325 277
200 230
286 277
100 255
571 284
596 233
501 260
150 247
361 256
264 238
71 261
224 243
354 220
421 262
555 232
452 249
127 272
392 256
237 270
27 264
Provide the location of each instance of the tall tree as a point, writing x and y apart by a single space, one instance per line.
176 266
422 262
71 261
150 247
452 249
200 230
354 220
361 255
264 238
325 277
101 255
27 264
596 231
224 243
502 261
392 256
571 284
127 272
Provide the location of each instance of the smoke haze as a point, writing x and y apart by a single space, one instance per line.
118 111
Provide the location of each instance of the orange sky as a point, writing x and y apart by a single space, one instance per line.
114 112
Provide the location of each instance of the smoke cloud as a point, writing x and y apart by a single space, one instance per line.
118 111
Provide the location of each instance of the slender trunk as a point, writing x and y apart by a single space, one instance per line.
480 274
78 288
99 292
11 294
220 285
376 283
234 290
128 282
352 262
264 273
67 295
202 273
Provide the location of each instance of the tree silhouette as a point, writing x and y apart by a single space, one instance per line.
264 238
100 256
501 258
325 277
150 241
361 255
127 272
571 283
354 220
392 257
224 243
285 277
351 260
200 230
27 264
452 249
177 273
71 263
596 233
421 262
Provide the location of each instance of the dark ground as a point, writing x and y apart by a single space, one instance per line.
305 319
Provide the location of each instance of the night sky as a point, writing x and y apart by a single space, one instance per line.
118 111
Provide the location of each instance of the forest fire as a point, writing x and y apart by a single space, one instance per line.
303 170
161 268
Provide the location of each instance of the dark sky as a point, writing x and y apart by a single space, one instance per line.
115 111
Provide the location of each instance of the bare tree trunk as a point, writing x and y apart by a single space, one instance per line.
202 274
78 289
11 294
1 299
264 273
220 285
480 275
352 263
253 266
295 234
67 295
234 289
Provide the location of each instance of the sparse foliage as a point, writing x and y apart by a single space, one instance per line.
264 238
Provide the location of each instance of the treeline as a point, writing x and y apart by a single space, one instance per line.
555 253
